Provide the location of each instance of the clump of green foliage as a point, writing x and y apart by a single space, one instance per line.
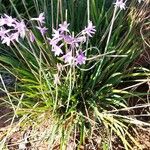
86 96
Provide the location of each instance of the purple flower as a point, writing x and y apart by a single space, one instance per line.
69 39
2 21
63 27
81 39
3 32
10 38
14 36
73 41
80 59
53 41
41 18
11 29
6 40
9 21
120 4
56 34
68 57
57 50
31 37
42 30
21 28
89 30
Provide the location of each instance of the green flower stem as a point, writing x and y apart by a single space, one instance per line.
111 28
70 88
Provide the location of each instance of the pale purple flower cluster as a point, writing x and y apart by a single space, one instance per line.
63 40
11 29
120 4
63 43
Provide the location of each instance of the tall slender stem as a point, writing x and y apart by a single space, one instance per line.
88 11
106 47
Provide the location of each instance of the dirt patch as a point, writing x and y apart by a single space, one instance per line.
4 116
143 138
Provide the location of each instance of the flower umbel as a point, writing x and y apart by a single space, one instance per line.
11 29
63 39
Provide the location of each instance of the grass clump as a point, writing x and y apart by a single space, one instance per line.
74 80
